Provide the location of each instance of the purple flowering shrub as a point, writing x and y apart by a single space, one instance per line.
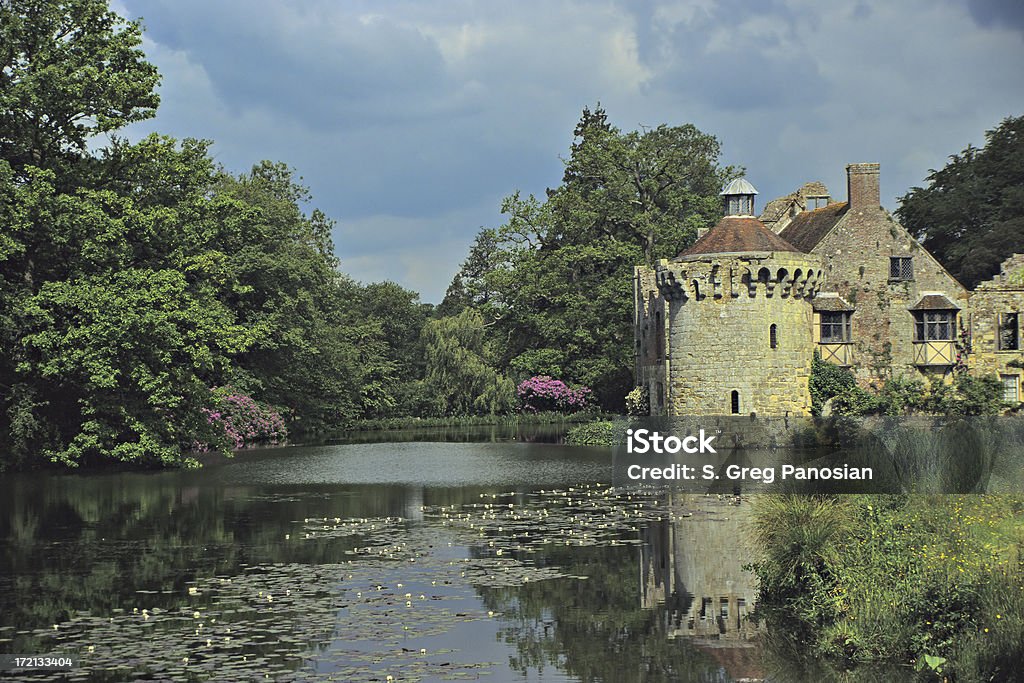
545 393
245 420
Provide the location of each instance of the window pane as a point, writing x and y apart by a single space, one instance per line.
1009 388
906 269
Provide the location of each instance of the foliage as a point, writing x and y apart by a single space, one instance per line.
971 214
600 433
901 395
69 70
827 381
512 419
555 281
932 580
545 393
136 276
459 377
638 402
245 421
967 395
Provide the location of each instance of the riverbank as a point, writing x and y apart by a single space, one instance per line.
402 423
931 585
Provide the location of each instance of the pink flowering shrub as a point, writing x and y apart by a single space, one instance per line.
545 393
245 420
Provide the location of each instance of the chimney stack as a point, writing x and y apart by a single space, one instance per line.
862 186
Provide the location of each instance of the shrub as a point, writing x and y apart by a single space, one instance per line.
968 395
638 402
545 393
601 433
245 421
827 381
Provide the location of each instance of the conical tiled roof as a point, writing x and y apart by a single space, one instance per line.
738 234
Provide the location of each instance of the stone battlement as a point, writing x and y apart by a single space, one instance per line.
772 274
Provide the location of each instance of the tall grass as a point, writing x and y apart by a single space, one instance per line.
934 582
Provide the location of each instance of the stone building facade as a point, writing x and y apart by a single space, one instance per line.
996 312
731 324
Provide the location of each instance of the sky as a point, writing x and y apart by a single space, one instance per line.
410 121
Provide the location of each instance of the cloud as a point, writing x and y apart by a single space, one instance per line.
1001 13
410 120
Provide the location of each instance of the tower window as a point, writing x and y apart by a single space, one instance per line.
934 325
735 402
835 327
1008 338
901 268
773 336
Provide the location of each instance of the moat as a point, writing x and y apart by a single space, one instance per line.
504 561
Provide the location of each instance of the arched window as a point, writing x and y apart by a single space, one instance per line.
773 336
735 402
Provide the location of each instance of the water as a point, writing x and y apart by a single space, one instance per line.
355 562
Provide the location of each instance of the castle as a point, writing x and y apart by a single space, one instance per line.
731 324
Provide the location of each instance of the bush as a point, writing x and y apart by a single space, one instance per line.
638 402
245 421
601 433
827 381
545 393
901 395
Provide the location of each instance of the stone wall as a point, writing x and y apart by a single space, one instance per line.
856 257
721 311
651 339
990 304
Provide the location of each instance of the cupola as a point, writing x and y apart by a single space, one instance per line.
738 198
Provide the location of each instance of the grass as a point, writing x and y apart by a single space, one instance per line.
931 583
381 424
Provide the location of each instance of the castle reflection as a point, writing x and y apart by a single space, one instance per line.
692 563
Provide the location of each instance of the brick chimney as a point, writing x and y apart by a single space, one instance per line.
862 186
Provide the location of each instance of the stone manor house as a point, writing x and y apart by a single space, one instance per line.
731 324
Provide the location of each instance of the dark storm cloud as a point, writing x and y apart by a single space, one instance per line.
1003 13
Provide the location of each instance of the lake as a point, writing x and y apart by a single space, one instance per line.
400 561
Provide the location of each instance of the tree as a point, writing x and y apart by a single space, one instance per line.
69 70
971 214
401 317
555 281
459 377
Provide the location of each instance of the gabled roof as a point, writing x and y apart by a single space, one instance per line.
737 234
807 229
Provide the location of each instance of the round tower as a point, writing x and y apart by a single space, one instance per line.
740 317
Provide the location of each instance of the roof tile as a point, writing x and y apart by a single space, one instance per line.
738 234
809 227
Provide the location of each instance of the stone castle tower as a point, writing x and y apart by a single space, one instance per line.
739 318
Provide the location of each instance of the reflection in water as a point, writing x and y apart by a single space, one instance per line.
692 564
508 560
